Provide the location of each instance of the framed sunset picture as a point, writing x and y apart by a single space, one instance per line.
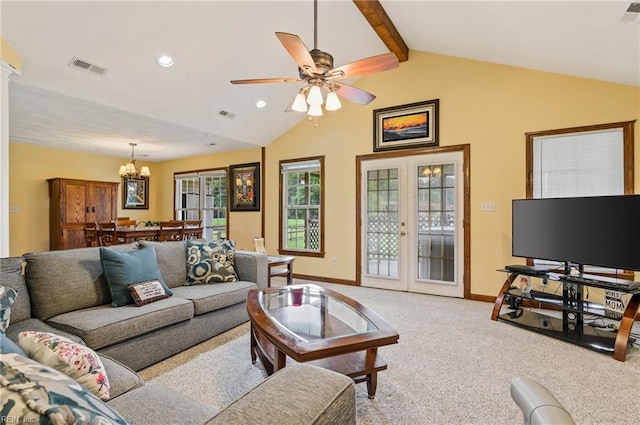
406 126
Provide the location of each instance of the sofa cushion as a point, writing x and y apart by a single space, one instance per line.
74 360
212 262
147 292
154 404
67 280
171 258
103 326
37 325
7 297
208 298
121 377
12 277
34 393
124 268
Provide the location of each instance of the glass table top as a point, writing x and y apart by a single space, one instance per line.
311 314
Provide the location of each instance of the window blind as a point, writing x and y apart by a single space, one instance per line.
579 164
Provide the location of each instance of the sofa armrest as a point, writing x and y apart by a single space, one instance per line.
252 267
298 394
538 405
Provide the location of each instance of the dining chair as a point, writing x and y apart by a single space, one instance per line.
107 234
193 229
91 234
172 230
127 222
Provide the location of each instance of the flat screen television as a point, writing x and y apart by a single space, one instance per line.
597 231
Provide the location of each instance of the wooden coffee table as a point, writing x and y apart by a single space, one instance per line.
309 323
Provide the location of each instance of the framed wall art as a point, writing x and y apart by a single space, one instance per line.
244 182
407 126
135 193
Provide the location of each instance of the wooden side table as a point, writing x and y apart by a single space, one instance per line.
276 263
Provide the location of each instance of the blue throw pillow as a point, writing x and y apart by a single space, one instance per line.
124 268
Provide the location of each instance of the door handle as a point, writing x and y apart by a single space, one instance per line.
93 209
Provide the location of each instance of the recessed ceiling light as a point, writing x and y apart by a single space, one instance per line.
261 104
165 61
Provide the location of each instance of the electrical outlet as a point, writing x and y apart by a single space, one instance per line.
15 210
488 206
334 261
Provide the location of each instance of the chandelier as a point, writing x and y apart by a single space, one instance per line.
312 95
130 170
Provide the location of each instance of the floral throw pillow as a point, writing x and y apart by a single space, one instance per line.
212 262
74 360
7 297
32 393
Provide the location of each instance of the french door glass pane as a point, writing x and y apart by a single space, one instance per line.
436 212
382 222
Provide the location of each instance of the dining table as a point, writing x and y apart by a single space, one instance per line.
132 233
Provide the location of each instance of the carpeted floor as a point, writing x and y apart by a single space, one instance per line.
453 365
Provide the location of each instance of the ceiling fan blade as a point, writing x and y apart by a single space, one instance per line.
266 80
366 66
298 51
353 94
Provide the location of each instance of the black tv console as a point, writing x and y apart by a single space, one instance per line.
571 327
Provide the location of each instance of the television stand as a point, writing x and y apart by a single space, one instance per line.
571 326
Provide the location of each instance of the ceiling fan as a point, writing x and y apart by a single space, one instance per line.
315 67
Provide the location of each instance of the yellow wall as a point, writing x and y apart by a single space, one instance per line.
486 105
29 168
244 225
9 55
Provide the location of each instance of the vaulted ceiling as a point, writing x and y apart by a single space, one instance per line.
176 112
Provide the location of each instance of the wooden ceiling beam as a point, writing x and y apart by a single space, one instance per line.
381 23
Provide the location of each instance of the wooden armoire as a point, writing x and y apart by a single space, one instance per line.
75 202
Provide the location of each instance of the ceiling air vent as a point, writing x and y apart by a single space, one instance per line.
226 114
632 13
88 67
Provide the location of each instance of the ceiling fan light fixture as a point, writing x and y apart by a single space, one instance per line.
299 103
314 98
333 103
315 110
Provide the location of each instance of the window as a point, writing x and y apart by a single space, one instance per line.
203 196
302 206
583 161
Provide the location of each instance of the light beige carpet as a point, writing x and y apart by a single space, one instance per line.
453 365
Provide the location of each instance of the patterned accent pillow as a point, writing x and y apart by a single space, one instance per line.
7 297
74 360
31 393
212 262
147 292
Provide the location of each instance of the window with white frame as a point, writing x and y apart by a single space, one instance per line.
582 161
202 196
302 206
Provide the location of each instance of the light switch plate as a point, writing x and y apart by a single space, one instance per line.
488 206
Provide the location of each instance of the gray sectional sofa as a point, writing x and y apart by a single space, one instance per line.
64 292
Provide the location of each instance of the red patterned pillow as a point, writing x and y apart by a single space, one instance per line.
147 291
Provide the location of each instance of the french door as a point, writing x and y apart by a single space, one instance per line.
412 211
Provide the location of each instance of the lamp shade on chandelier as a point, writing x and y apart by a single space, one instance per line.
130 169
314 99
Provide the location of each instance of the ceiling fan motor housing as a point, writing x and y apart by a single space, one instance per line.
323 61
